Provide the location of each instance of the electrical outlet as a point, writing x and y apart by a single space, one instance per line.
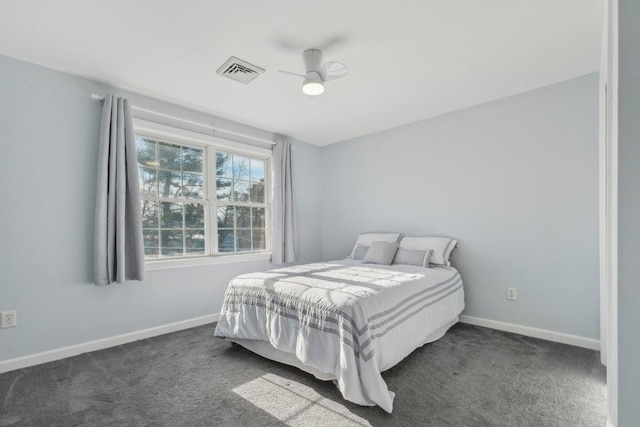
511 294
9 319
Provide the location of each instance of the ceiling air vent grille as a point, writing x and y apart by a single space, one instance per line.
239 70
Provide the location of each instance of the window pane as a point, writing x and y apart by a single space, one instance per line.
257 192
149 214
148 181
257 217
224 165
192 159
241 167
169 156
257 170
225 240
193 186
146 151
244 240
225 216
172 244
170 215
241 191
259 239
169 183
194 242
151 244
193 215
243 217
223 188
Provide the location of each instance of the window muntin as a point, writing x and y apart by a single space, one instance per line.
179 198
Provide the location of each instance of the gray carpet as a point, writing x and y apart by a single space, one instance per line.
471 377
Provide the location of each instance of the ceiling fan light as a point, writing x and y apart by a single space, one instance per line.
313 84
312 88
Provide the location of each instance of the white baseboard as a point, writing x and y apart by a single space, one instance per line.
74 350
544 334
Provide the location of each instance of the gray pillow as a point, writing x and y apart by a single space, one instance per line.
413 257
359 252
381 253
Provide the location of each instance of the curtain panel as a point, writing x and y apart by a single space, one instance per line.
118 243
284 222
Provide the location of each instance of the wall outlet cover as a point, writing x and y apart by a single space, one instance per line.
8 319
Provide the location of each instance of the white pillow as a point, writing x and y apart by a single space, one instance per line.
380 253
367 239
441 246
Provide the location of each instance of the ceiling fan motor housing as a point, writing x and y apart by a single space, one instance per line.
312 60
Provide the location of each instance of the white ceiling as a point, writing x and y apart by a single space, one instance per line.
408 60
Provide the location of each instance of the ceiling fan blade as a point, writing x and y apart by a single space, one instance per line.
333 70
293 74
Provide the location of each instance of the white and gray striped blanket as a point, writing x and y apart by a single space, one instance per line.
345 319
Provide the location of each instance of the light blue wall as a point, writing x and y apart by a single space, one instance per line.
49 129
629 214
515 180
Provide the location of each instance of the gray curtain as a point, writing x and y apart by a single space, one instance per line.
118 246
284 224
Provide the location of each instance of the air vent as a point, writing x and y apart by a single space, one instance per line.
239 70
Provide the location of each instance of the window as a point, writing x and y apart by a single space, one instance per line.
190 209
241 203
172 188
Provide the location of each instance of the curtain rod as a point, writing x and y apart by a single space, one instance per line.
155 113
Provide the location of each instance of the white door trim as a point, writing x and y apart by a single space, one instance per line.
609 207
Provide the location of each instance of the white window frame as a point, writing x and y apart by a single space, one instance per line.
210 144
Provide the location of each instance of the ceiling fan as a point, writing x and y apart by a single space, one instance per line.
316 74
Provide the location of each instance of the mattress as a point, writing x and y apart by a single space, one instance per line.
342 320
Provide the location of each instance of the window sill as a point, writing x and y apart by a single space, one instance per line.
166 264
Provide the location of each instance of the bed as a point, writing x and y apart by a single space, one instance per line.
345 321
